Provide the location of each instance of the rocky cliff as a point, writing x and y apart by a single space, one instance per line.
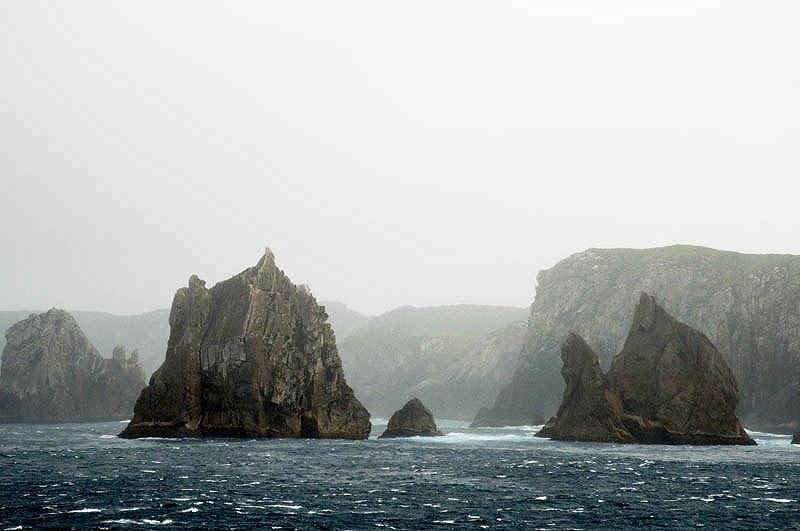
748 305
412 420
454 358
52 373
147 332
251 357
668 385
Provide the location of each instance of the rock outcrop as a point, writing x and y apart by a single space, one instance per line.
251 357
412 420
52 373
668 385
148 332
746 304
591 410
796 438
453 358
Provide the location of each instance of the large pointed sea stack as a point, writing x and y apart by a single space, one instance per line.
668 385
412 420
251 357
52 373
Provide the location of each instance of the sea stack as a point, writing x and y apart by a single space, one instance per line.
253 356
52 373
412 420
668 385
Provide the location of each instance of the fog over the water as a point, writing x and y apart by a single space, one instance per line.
409 153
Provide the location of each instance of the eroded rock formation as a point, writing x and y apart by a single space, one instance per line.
52 373
668 385
412 420
251 357
746 304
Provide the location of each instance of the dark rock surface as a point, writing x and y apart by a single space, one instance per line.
412 420
52 373
251 357
796 438
668 385
591 410
747 304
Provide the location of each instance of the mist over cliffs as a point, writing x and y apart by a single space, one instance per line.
146 332
454 358
52 373
747 305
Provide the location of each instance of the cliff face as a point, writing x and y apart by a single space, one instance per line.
748 305
454 358
52 373
412 420
251 357
668 385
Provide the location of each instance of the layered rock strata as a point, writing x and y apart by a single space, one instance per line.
668 385
412 420
747 305
253 356
52 373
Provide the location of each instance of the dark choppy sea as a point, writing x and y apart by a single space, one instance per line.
83 476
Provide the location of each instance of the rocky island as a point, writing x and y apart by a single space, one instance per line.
745 303
52 373
668 385
412 420
253 356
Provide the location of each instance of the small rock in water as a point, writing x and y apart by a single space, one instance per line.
412 420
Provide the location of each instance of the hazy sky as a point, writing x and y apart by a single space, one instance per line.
389 153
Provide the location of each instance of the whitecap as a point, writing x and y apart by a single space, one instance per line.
779 500
191 510
157 522
108 436
282 506
86 510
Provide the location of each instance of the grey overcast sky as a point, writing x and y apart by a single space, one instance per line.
396 153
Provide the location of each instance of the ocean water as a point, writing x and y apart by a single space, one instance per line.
83 476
